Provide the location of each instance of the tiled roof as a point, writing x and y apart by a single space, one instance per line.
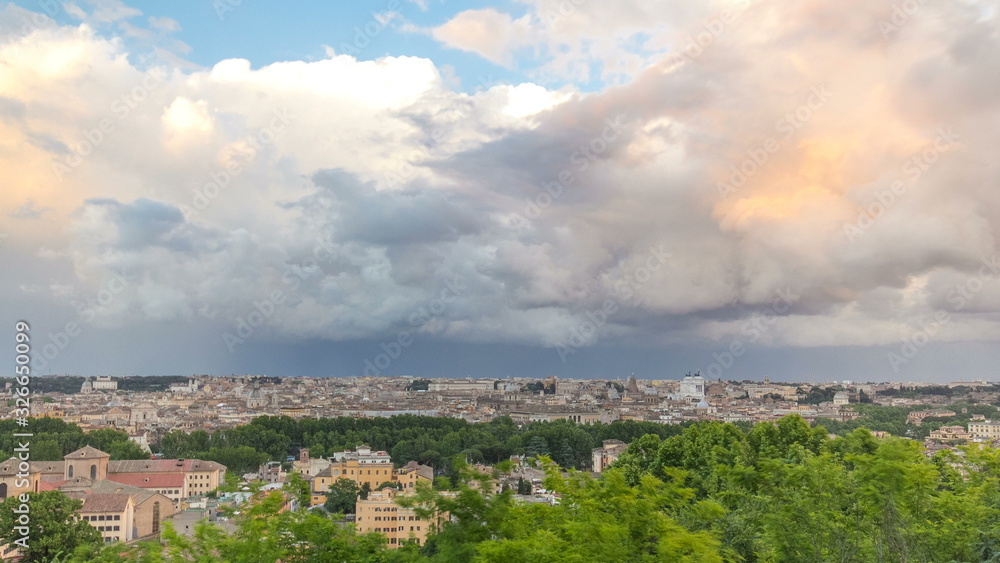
48 467
86 452
161 465
100 502
8 468
111 487
149 481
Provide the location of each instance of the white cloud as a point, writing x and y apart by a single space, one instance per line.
215 187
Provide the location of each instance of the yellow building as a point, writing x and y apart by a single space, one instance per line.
365 466
380 513
111 514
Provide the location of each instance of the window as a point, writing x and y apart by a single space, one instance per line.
156 517
101 518
116 528
93 472
70 471
3 490
118 517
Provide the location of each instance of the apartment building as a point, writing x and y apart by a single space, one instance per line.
363 466
984 430
381 513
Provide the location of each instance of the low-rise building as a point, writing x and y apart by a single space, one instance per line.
364 466
985 429
381 513
607 454
949 433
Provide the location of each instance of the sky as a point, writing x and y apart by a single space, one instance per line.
806 191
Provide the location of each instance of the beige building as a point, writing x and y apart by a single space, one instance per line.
111 514
175 479
947 433
380 513
363 466
470 385
119 511
607 454
985 429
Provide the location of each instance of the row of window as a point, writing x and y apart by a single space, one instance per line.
169 491
392 518
102 518
377 472
107 528
399 529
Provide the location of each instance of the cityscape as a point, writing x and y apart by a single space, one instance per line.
449 281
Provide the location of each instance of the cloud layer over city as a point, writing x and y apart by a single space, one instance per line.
810 175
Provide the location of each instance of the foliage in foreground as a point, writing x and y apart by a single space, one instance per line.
778 492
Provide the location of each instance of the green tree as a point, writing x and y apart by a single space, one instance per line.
523 487
537 446
53 528
126 449
342 497
298 487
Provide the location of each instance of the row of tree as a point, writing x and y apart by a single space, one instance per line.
53 438
429 440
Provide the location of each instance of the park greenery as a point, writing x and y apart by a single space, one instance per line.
713 492
428 440
53 438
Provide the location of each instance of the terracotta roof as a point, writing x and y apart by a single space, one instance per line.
9 467
100 502
139 494
86 452
149 481
161 465
48 467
